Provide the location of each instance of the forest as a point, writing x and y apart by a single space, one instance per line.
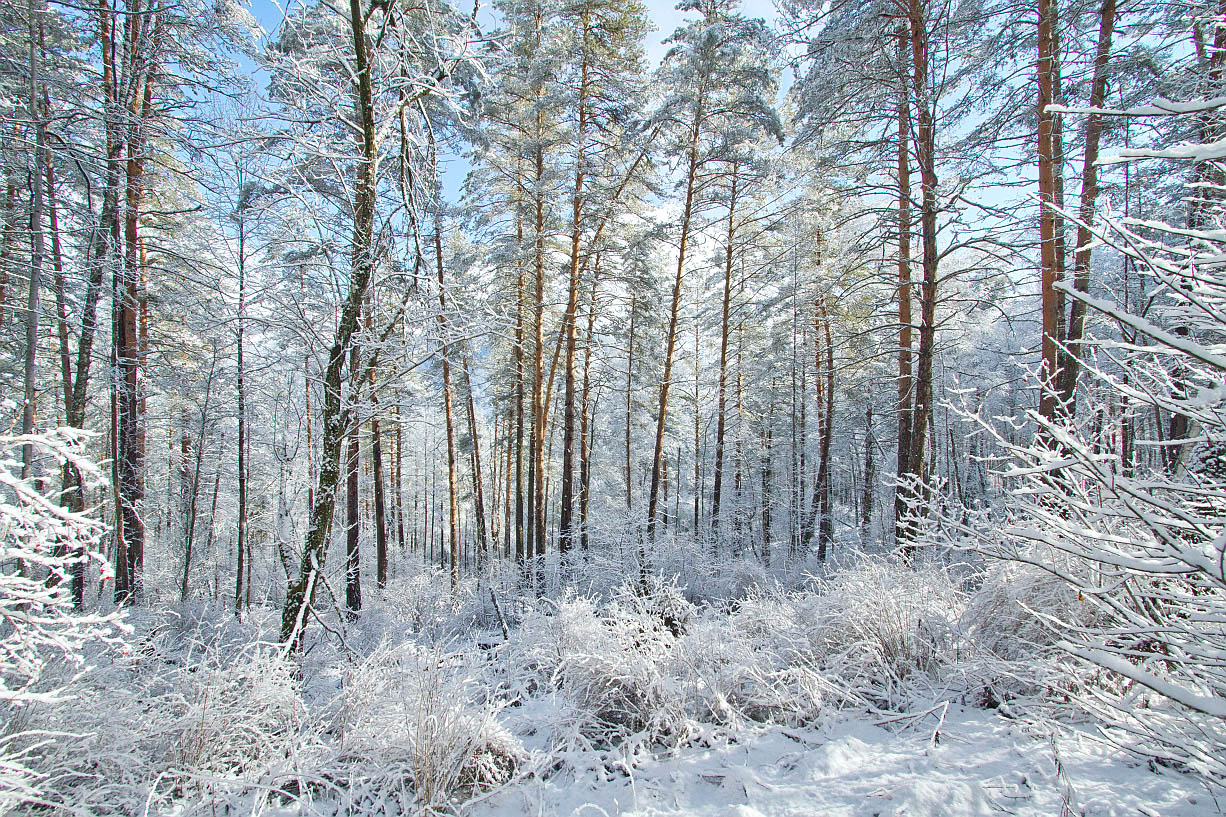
593 407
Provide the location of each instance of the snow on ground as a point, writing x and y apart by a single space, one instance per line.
974 762
856 697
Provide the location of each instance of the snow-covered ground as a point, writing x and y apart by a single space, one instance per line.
951 762
885 690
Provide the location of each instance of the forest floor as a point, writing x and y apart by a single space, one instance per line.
969 762
882 690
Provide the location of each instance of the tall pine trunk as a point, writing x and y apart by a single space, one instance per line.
376 456
905 384
566 512
925 155
353 553
723 358
334 418
1089 194
242 415
657 462
1049 256
482 534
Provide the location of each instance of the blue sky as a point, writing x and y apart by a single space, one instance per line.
663 14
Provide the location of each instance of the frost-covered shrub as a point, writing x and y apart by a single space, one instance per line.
610 667
42 639
734 673
1135 526
1007 645
424 603
410 731
878 623
233 715
167 723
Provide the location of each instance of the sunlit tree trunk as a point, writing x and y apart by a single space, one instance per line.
904 284
353 552
566 512
925 156
687 215
334 418
718 471
1089 195
1049 260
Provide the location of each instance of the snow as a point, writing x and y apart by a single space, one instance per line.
861 695
1159 107
980 763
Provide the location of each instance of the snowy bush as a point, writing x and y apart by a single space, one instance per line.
409 732
172 722
42 639
878 623
736 670
1138 543
1007 645
609 666
230 716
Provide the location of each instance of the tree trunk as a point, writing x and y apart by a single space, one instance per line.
1048 255
585 459
904 288
448 413
37 249
242 414
767 479
671 338
336 419
870 476
140 27
566 512
478 486
821 489
1089 195
192 491
353 552
521 554
9 237
537 448
630 401
723 357
399 478
925 154
376 455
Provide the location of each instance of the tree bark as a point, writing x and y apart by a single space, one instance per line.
630 401
925 154
478 486
453 506
336 419
723 357
585 450
376 455
37 249
671 338
537 447
904 288
242 413
521 554
767 479
566 512
870 476
1048 256
353 552
1089 194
